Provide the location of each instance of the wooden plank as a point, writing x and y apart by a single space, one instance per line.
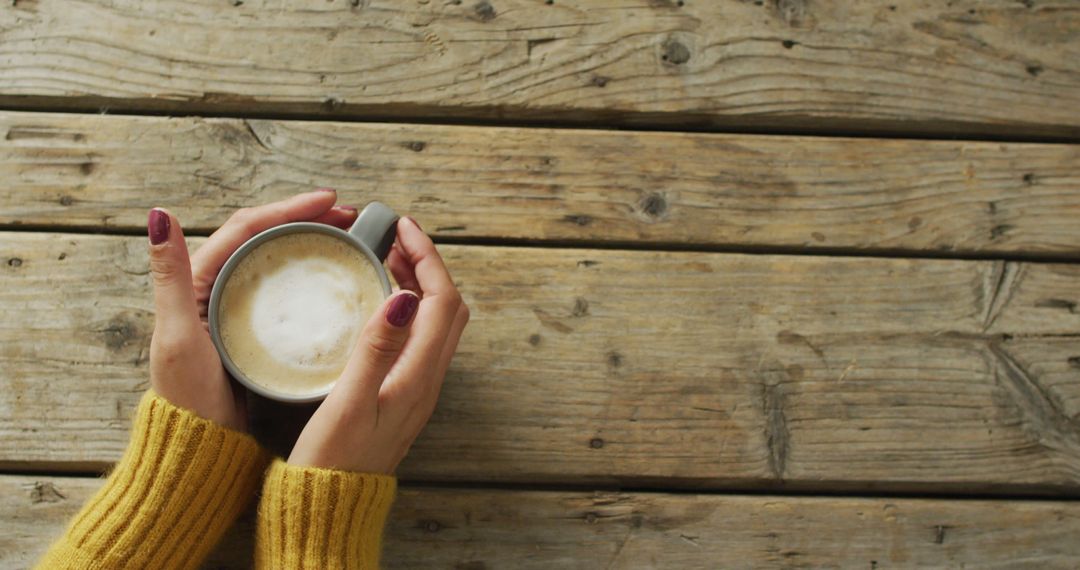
532 184
971 67
479 529
634 368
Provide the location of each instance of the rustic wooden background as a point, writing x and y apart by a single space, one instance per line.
777 283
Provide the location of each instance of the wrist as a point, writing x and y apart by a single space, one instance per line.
182 481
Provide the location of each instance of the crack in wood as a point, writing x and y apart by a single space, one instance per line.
939 533
791 337
1048 421
777 436
530 44
547 320
1064 304
619 549
45 492
1001 286
255 135
710 410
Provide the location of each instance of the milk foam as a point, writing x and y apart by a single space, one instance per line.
292 320
293 308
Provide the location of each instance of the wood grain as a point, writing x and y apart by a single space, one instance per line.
634 368
486 529
970 67
712 191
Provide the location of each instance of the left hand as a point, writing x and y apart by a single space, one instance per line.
185 368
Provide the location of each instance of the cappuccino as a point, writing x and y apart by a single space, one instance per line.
292 309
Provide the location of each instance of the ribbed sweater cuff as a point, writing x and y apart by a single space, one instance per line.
181 483
321 518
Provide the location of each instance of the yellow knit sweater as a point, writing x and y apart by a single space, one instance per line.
183 481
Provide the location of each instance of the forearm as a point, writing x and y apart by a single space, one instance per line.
321 518
181 483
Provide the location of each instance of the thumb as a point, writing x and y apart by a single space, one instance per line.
379 345
174 298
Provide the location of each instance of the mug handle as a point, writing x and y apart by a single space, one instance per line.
376 228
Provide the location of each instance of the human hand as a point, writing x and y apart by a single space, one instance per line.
388 390
185 369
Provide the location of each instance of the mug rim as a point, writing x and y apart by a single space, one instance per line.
214 306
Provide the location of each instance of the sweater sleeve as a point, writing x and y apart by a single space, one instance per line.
181 483
321 518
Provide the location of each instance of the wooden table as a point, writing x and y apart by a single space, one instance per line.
775 283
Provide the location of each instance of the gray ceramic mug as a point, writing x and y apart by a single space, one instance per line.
372 235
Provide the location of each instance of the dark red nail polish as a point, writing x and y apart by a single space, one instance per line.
402 309
157 226
415 223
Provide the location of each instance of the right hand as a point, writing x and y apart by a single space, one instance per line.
388 390
185 368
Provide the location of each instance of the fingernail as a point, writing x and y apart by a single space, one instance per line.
325 190
346 208
157 226
415 223
402 309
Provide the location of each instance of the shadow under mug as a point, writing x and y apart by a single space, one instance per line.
372 234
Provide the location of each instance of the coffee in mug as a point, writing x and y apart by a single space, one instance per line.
287 308
293 308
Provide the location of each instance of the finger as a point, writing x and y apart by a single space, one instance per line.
380 343
402 270
414 382
174 300
341 217
420 253
247 222
436 314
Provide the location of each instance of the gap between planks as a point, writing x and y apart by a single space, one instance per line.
440 117
618 245
834 490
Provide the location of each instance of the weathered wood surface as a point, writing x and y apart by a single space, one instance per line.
486 529
644 368
972 67
582 186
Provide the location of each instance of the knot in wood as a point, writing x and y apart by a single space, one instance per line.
581 307
484 11
792 11
675 53
578 219
653 205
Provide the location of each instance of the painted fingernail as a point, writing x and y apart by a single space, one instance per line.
402 309
415 223
325 190
157 226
